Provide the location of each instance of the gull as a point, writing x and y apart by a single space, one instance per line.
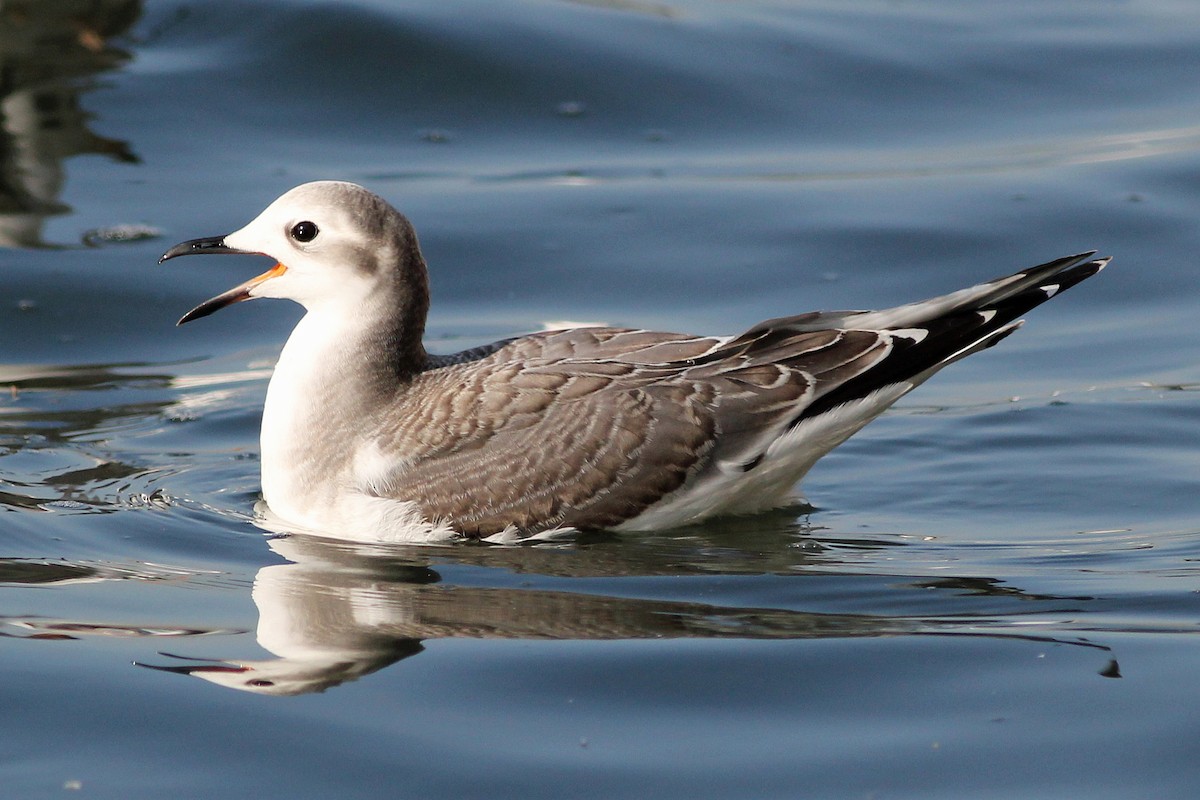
368 437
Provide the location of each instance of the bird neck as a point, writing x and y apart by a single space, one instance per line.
339 368
393 344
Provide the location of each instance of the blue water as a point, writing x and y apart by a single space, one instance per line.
995 593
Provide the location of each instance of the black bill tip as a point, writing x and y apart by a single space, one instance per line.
212 244
193 668
214 304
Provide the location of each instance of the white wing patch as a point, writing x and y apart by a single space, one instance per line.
915 335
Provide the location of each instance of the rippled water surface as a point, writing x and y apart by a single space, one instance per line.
995 594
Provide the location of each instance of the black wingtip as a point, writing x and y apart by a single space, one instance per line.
965 331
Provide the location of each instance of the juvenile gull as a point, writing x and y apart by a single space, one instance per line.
366 436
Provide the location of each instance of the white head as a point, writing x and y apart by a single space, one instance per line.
335 243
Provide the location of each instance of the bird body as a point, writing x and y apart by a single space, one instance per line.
366 436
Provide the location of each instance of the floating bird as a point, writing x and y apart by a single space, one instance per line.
366 436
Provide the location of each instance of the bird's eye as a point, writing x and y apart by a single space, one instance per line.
304 231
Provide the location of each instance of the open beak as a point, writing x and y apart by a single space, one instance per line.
213 244
235 295
207 665
193 668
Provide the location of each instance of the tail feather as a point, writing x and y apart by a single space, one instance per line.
983 295
931 334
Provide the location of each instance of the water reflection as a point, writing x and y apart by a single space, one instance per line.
48 50
339 611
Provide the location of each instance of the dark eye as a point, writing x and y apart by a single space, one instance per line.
304 231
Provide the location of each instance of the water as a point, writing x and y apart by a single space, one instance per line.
995 594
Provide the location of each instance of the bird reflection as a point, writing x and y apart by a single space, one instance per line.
339 611
48 49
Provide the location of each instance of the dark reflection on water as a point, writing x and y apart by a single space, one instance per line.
50 51
337 612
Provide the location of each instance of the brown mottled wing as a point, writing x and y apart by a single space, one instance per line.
588 428
538 437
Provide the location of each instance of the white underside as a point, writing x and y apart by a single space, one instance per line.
358 517
373 520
